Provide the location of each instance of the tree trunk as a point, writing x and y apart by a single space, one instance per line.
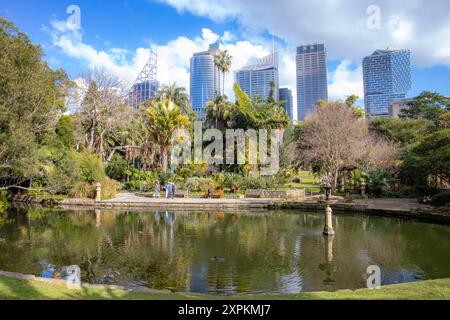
164 158
223 84
336 174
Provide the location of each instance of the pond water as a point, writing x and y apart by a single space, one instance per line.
223 252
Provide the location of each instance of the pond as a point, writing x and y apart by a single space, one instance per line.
222 252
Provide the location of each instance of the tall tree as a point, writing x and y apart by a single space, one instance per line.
218 111
331 139
163 118
223 62
101 108
178 95
428 105
32 97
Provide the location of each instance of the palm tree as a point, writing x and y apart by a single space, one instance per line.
163 118
218 110
178 95
223 62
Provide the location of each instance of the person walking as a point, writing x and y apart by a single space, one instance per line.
167 190
157 189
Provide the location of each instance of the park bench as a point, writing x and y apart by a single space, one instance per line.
181 193
216 194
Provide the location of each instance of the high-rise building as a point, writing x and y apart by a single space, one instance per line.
205 79
285 94
146 86
256 79
387 77
311 78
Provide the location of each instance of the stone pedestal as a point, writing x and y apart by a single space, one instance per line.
328 229
98 193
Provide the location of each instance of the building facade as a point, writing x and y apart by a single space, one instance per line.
387 77
142 91
256 79
285 94
312 79
205 79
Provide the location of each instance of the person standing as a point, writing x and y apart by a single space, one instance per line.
157 189
173 190
167 190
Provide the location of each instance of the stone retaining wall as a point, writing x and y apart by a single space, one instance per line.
276 194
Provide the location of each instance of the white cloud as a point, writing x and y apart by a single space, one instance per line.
417 25
345 81
173 57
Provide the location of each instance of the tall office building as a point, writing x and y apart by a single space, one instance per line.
285 94
256 79
205 79
146 86
311 78
387 77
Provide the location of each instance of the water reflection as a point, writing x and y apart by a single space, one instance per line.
277 251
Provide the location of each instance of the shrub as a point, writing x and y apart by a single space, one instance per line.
92 168
116 168
196 184
57 182
270 182
83 189
109 188
441 199
233 181
133 185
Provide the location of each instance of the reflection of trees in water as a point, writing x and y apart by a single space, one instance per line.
234 251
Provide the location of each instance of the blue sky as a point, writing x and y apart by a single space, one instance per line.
117 34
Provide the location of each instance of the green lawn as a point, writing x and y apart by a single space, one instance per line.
35 290
307 182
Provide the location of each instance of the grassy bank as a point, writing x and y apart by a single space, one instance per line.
21 289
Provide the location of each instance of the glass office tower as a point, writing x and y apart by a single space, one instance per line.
312 78
387 77
205 79
285 94
256 79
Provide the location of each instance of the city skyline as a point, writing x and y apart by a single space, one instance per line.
103 40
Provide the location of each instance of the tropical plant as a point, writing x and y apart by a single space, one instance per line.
163 118
178 95
223 61
218 111
257 114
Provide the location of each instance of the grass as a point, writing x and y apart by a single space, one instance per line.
14 289
307 182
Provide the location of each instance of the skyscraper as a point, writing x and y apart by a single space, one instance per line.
256 79
285 94
311 78
205 79
146 86
387 77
